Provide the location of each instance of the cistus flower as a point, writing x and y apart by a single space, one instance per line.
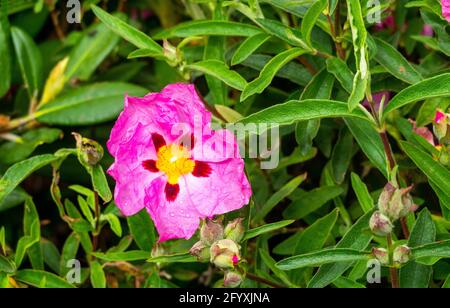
380 224
225 254
169 161
446 9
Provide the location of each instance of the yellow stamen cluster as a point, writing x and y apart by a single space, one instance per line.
174 160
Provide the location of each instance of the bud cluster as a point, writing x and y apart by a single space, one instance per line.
394 203
220 246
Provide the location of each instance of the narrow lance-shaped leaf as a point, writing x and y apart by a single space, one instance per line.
362 193
433 87
30 61
248 47
395 63
5 53
293 111
269 71
266 228
359 36
220 70
310 19
126 31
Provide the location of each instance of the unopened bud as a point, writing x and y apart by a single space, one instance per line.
380 224
200 251
444 156
440 125
225 254
90 152
171 53
232 279
402 254
381 255
235 230
394 202
210 232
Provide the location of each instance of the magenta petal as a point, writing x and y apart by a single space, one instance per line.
446 9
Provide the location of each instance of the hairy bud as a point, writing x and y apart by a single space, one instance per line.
90 152
380 224
210 232
402 254
381 255
235 230
232 279
225 254
200 251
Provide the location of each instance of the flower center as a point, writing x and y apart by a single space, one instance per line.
174 160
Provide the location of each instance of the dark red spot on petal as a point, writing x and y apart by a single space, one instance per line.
158 141
188 141
171 191
150 165
201 169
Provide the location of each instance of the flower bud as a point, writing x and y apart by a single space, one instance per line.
171 53
225 254
402 254
380 224
235 230
200 251
440 125
211 232
444 156
394 202
90 152
381 255
232 279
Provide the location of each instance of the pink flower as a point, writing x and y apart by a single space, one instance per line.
425 132
427 30
446 9
387 23
169 161
440 116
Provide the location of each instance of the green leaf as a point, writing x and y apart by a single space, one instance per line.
114 223
311 239
413 274
342 156
12 152
177 258
142 229
30 61
7 265
25 242
394 62
5 53
433 250
322 257
51 255
86 105
359 37
309 202
283 32
20 171
277 197
132 255
310 19
98 278
129 33
320 86
100 183
435 172
270 262
208 28
97 43
293 111
34 278
345 283
266 229
230 115
370 142
343 74
31 220
358 237
248 47
269 71
433 87
69 252
362 193
220 70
